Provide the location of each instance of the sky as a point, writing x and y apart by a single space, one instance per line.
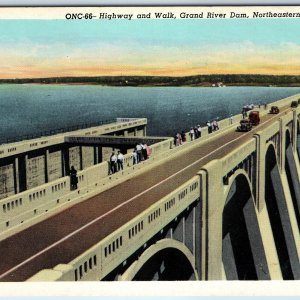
50 48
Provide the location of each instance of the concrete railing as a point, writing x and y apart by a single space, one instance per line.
19 208
101 259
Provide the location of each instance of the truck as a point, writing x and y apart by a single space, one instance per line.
254 117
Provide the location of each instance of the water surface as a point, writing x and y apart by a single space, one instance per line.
30 109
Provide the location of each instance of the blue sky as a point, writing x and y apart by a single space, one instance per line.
43 48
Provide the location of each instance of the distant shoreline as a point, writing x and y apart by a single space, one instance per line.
157 85
217 80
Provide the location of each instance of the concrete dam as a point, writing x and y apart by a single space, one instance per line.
225 206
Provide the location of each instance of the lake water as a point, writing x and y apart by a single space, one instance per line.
30 109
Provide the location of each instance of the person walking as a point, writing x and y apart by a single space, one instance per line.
209 128
243 113
120 160
113 163
178 139
217 125
73 178
196 132
183 137
192 134
175 140
139 152
149 150
199 130
144 151
134 157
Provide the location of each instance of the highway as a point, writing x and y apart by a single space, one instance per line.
63 237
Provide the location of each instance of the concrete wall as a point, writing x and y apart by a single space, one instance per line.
35 171
7 186
54 165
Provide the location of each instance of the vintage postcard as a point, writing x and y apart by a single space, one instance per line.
150 144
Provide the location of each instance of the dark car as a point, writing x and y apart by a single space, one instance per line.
294 104
245 125
274 110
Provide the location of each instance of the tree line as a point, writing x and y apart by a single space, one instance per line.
226 79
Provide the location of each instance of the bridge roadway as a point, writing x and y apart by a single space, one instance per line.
66 235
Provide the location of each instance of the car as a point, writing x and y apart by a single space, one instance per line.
245 125
274 110
294 104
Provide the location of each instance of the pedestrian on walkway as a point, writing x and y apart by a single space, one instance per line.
243 113
175 140
120 160
73 178
113 163
183 136
144 151
149 151
196 132
192 134
209 127
217 125
199 130
138 149
178 139
134 157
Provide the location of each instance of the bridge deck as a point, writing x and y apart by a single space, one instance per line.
63 237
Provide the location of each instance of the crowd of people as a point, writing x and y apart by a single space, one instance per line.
195 132
212 126
140 153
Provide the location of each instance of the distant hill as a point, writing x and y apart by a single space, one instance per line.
196 80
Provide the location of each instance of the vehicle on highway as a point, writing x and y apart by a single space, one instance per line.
294 104
274 110
254 117
245 125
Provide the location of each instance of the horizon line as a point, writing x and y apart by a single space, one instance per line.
162 76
